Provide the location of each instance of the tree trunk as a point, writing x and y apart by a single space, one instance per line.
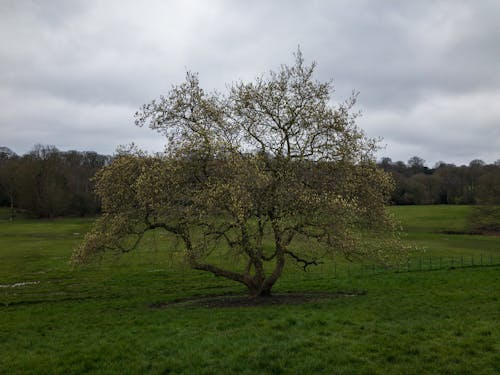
258 285
264 287
275 275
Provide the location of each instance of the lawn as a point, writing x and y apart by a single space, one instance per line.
102 319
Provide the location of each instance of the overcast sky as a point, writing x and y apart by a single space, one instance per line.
73 73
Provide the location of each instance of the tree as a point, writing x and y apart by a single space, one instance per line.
6 153
9 164
417 165
269 172
43 185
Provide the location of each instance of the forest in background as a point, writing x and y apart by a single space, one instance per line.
47 182
476 183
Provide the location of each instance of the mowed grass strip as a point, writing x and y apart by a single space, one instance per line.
99 319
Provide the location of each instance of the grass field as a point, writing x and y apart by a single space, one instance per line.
99 319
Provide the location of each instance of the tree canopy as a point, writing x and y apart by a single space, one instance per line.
270 172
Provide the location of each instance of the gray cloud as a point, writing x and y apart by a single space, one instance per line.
73 73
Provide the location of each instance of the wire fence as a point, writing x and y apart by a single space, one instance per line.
419 264
344 269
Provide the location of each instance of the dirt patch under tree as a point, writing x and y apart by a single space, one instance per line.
249 301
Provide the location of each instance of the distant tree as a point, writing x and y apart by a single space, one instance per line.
416 162
45 189
426 188
386 164
9 177
6 153
270 161
451 184
477 163
417 165
80 168
471 176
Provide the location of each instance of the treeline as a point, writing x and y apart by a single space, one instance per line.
476 183
47 182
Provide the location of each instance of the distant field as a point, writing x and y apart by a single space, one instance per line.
432 219
98 319
429 227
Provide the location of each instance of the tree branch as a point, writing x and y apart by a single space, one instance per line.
305 263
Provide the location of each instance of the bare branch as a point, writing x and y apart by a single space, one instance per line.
305 263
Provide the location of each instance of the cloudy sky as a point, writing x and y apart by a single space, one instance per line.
73 73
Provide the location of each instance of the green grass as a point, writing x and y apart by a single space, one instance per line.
431 228
98 319
432 219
